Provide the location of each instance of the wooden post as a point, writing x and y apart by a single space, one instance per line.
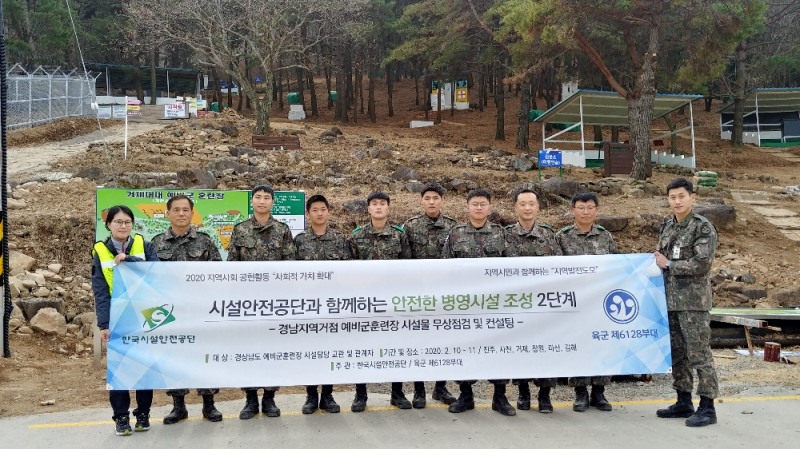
772 352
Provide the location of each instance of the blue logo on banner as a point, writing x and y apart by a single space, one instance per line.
621 306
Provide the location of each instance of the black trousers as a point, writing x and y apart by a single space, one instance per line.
121 401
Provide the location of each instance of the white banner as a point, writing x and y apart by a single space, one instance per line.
175 110
235 324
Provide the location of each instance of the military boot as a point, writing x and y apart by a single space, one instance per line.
683 408
268 406
524 398
326 401
465 401
250 406
360 401
598 398
705 414
312 401
544 400
398 398
500 402
581 399
419 400
441 394
178 412
210 412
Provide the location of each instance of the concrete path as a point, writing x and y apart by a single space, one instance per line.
756 418
787 221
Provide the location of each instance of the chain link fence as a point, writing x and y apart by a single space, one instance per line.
42 96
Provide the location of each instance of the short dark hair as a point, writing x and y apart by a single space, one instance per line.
433 187
516 193
263 188
114 210
316 199
479 192
377 196
584 197
680 183
180 197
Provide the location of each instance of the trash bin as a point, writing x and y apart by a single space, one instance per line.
333 96
215 107
533 114
293 98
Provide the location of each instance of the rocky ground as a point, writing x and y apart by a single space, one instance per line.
51 212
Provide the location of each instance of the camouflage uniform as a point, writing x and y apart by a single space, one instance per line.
466 242
540 240
252 241
597 241
690 245
427 235
330 246
192 246
370 244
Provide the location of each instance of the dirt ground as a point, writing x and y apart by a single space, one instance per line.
59 219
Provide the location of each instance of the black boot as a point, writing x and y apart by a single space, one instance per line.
581 399
312 400
268 406
500 402
465 401
441 394
524 398
209 411
326 401
705 414
598 398
398 398
419 395
683 408
178 412
360 401
544 400
250 405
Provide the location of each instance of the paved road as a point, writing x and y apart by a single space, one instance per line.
757 418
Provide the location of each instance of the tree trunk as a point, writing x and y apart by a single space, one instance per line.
312 90
640 107
439 86
615 133
300 73
373 117
500 102
390 87
153 83
279 95
523 135
217 91
360 89
738 99
416 91
263 106
673 138
358 96
328 86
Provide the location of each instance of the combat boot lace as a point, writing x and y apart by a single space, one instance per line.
328 404
581 403
210 412
250 408
705 414
683 408
268 406
500 404
311 405
178 412
398 399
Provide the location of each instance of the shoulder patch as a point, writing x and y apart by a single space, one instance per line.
358 228
547 226
600 228
565 228
399 228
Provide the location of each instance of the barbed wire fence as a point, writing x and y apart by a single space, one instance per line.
42 96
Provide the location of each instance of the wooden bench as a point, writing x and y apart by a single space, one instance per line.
276 143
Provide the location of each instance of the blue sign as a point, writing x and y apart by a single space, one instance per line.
549 158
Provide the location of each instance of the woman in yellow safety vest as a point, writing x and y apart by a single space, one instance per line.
120 246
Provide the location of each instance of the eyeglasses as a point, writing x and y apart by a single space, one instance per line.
122 222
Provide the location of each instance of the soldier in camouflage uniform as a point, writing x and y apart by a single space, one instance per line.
478 237
584 237
320 242
261 238
686 246
181 242
426 234
379 240
529 237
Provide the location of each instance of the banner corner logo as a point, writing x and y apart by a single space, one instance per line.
621 306
156 317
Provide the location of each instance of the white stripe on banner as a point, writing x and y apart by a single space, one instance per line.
238 324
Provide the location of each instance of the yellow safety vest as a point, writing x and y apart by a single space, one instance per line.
107 257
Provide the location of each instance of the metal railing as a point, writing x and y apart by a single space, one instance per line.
42 96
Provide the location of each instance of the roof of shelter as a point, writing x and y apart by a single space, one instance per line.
607 108
127 76
769 100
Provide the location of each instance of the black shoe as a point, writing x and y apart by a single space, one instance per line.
250 406
500 404
209 411
581 403
598 399
462 404
524 398
399 400
705 414
311 405
142 422
442 395
359 403
123 425
419 399
683 408
268 406
328 404
178 412
544 400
